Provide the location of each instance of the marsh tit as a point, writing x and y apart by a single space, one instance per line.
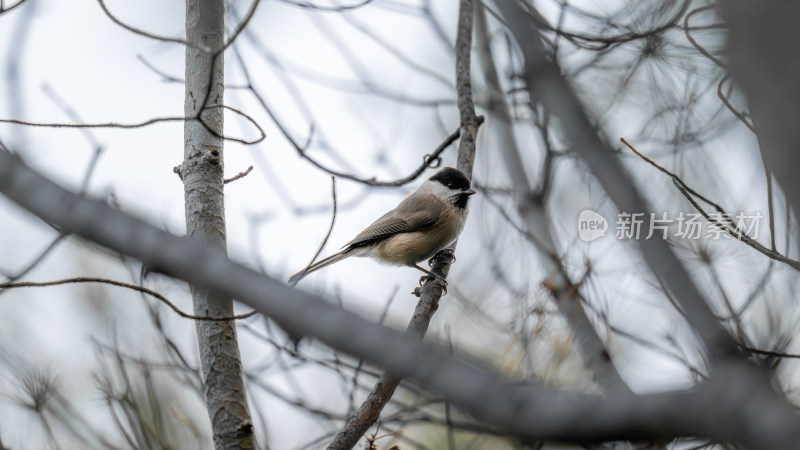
426 221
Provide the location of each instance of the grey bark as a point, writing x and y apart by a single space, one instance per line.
202 174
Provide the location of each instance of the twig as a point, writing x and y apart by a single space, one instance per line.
770 353
205 49
134 287
309 5
167 78
692 40
150 122
238 175
409 61
5 9
87 176
50 247
431 160
730 107
690 195
147 34
327 235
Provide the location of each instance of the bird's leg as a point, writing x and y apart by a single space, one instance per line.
443 253
431 276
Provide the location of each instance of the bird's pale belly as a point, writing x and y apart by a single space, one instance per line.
411 248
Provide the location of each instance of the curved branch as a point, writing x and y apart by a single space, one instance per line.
693 41
262 136
142 289
327 235
205 49
428 161
5 9
739 115
309 5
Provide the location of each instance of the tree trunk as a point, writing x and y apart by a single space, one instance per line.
202 174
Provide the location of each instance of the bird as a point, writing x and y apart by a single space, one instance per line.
423 223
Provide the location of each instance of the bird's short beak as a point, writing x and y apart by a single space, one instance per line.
469 192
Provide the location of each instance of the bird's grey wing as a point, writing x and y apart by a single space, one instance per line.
420 214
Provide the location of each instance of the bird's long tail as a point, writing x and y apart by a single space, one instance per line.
336 257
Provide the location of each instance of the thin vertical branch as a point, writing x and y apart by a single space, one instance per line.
202 174
367 414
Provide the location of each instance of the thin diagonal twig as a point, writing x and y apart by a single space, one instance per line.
692 196
327 235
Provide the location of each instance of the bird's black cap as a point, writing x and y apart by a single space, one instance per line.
452 178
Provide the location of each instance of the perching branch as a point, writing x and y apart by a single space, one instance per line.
368 413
